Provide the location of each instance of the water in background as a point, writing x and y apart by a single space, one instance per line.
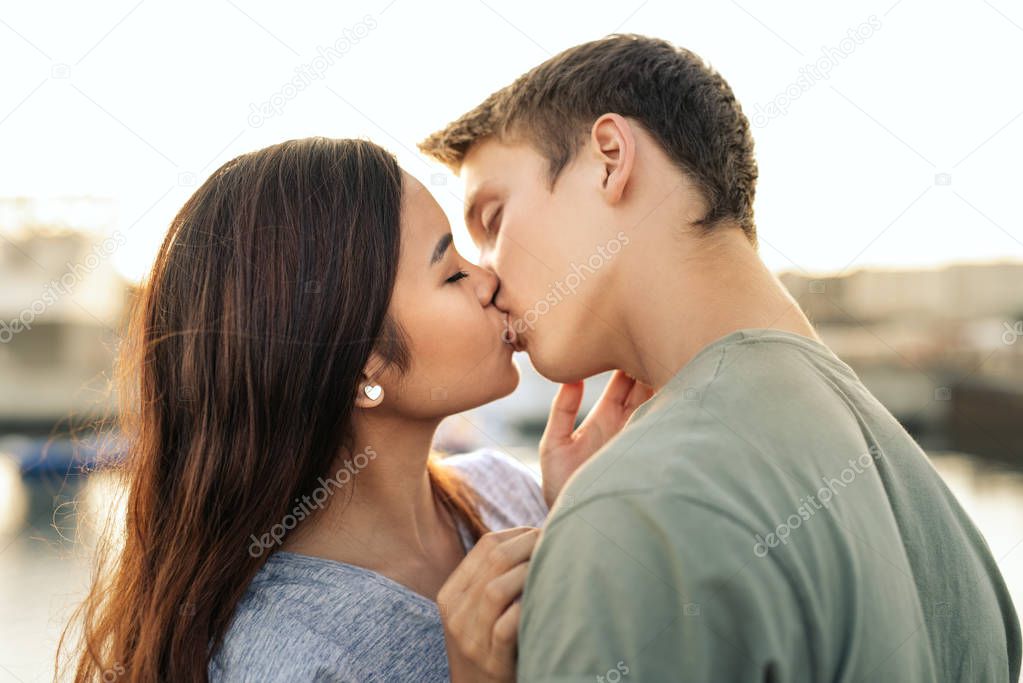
43 573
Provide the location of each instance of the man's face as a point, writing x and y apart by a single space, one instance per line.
554 252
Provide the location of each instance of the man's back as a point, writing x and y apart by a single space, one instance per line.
764 518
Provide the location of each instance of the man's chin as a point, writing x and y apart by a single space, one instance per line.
555 369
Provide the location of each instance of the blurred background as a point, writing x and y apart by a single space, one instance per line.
888 136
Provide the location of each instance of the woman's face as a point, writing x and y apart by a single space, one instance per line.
455 334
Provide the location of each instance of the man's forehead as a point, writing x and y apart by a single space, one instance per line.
481 150
486 164
490 155
476 168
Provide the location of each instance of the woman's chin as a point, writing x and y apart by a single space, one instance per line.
513 376
504 380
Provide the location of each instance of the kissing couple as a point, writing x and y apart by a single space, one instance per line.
736 506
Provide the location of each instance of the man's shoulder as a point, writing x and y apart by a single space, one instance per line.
658 573
737 413
678 450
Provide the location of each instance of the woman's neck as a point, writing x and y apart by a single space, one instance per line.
384 516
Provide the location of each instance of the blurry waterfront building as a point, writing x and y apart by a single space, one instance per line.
61 304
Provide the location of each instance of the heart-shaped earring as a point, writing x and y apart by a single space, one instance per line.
373 391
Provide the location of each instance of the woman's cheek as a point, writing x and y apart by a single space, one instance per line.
445 334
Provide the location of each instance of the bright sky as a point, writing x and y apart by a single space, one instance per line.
139 101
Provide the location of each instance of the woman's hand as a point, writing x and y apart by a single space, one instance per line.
563 450
480 609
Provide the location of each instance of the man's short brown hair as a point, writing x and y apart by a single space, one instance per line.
686 105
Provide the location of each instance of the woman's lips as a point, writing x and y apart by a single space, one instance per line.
509 336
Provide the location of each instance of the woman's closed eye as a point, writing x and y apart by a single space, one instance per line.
457 276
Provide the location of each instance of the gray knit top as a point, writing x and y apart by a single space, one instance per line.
305 618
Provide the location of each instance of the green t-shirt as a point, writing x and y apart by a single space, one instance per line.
763 518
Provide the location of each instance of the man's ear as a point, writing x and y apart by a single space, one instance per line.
615 147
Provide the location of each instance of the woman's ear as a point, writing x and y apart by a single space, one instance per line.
615 147
370 393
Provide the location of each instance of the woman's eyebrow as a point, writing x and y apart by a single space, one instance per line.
442 246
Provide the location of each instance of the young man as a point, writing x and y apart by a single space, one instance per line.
762 517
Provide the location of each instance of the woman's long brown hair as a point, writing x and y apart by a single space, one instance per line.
237 376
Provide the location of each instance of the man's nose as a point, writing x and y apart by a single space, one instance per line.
487 284
487 259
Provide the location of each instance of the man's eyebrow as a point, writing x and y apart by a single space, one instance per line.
474 201
442 246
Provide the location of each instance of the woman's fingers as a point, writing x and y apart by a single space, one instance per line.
506 637
638 395
494 553
479 606
618 388
508 552
564 409
607 411
621 396
620 399
500 593
500 551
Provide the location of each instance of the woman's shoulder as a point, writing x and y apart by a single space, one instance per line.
509 491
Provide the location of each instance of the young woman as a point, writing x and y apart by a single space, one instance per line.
306 326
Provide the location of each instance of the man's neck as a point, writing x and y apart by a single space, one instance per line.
709 287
